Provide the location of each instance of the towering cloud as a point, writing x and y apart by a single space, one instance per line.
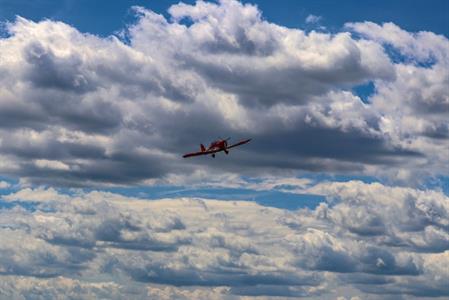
77 109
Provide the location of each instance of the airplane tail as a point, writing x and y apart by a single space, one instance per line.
203 148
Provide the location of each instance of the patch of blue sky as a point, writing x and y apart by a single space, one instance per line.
278 197
364 91
3 30
289 201
6 205
281 196
274 198
13 186
320 177
27 205
6 190
10 185
398 57
437 183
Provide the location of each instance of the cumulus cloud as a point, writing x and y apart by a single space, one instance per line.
81 110
419 90
366 240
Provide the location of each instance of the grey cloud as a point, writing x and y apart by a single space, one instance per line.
73 289
307 148
260 83
44 262
132 167
52 150
422 226
48 71
332 143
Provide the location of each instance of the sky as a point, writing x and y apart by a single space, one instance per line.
342 193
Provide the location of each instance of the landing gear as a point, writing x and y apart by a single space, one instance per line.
227 152
213 155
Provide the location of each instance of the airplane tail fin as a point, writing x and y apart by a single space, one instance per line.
203 148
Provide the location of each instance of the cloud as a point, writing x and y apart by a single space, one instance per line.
419 88
367 240
313 19
81 110
4 185
78 110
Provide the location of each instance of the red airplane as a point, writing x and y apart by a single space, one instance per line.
216 146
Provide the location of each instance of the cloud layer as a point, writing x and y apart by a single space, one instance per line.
368 240
77 109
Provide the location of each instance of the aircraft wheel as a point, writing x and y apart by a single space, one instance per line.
213 155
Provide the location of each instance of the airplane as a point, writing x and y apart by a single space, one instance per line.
216 146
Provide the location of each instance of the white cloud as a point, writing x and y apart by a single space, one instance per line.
35 195
51 164
4 185
80 110
422 46
414 105
313 19
368 239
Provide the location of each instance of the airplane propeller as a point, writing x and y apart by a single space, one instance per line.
226 141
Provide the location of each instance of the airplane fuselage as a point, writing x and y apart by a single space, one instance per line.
219 145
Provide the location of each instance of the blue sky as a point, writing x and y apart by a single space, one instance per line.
343 190
412 15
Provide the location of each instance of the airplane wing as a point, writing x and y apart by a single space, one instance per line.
239 143
201 153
